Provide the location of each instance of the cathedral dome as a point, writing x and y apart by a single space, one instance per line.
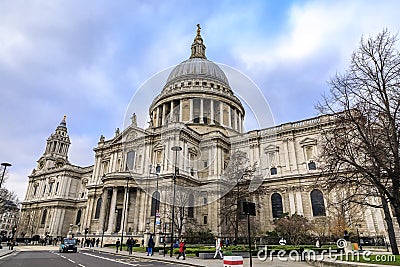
197 67
197 93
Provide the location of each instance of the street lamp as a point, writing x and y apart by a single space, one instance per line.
156 208
5 165
176 171
124 215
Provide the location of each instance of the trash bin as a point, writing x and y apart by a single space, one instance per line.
233 261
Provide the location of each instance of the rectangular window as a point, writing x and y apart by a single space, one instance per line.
57 186
130 160
205 164
205 219
50 187
205 200
44 190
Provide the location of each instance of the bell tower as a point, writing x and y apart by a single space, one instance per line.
56 153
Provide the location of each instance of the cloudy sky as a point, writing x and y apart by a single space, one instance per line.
86 60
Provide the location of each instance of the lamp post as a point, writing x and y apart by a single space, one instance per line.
176 171
5 165
358 236
156 208
124 213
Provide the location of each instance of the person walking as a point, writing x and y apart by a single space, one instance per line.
117 244
150 246
218 246
129 244
182 248
97 242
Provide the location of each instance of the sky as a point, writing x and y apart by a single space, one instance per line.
89 59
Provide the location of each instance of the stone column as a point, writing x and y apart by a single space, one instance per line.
292 203
221 113
185 156
102 216
125 209
229 116
111 223
299 203
163 115
236 119
210 171
201 110
136 211
212 111
180 110
215 160
191 110
157 117
171 113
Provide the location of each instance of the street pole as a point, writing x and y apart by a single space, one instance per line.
176 171
124 215
249 233
358 237
5 165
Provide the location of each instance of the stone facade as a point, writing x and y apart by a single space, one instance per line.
198 112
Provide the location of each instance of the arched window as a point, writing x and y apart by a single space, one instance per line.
277 206
44 215
98 208
317 203
155 203
78 217
274 171
191 206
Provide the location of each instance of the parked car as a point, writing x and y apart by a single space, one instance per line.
68 244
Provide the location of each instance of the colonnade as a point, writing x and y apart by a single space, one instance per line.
198 110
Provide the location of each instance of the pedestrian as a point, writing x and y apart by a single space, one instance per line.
317 243
97 242
182 248
117 244
142 242
150 245
218 246
234 242
129 244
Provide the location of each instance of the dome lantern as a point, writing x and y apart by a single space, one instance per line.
198 48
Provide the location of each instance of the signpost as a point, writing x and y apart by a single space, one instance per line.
249 208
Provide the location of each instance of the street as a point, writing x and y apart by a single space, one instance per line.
84 258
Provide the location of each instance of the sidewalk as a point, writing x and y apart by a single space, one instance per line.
5 251
194 261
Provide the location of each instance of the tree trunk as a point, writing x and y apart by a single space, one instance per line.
390 230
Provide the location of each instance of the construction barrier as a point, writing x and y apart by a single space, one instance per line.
233 261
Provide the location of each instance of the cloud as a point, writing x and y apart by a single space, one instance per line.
87 60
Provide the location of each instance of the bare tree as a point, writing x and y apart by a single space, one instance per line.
361 147
238 176
8 200
295 228
181 207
